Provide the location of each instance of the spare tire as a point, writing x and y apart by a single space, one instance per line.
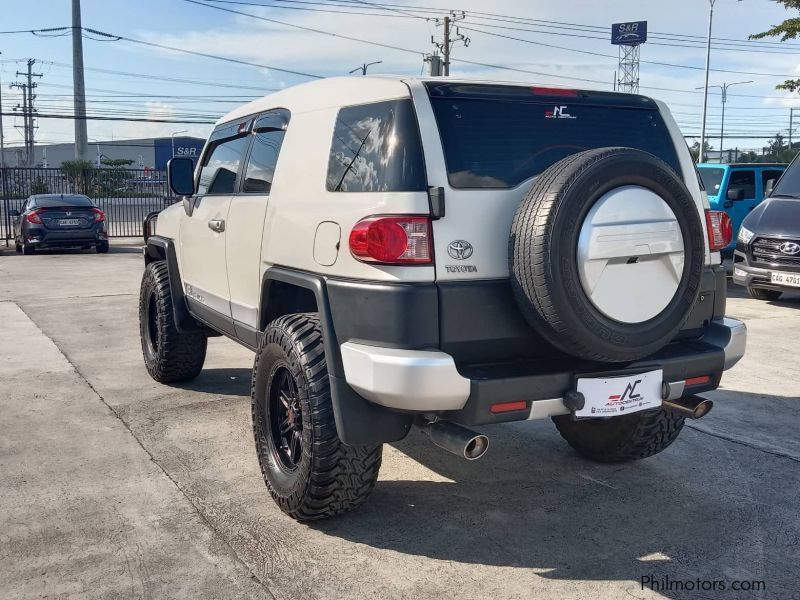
606 254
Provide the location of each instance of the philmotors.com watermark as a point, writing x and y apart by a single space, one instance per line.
669 584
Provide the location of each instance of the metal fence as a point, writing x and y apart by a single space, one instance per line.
127 196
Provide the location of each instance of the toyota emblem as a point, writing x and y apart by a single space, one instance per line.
790 248
459 249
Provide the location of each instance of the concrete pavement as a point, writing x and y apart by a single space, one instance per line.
530 520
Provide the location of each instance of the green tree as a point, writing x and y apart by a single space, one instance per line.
78 172
39 186
695 150
787 30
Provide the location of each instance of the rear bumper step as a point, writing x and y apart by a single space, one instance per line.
430 381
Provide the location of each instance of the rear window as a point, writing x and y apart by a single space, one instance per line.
497 137
712 179
376 148
57 201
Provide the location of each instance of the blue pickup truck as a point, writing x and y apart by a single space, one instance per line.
737 188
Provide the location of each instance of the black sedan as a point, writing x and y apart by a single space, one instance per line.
59 221
767 256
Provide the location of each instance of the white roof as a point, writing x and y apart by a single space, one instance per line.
324 93
342 91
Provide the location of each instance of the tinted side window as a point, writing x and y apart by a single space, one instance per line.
376 148
263 158
743 180
218 175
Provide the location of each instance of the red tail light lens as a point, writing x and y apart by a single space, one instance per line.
720 229
99 215
33 217
393 240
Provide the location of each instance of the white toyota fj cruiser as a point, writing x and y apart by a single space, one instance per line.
447 254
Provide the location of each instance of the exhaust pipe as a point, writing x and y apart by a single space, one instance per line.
693 407
459 440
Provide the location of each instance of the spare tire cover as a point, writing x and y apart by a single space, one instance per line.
606 254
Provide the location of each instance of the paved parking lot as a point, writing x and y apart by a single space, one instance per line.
113 486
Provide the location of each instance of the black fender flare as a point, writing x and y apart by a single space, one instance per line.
161 248
358 421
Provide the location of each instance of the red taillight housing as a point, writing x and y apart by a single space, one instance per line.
99 215
33 217
398 240
720 229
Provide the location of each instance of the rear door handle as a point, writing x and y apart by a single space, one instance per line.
217 225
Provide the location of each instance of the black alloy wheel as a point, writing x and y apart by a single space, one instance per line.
287 419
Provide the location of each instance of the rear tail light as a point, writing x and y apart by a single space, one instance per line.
720 229
99 215
400 240
33 217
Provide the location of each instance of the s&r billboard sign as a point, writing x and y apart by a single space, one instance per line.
629 34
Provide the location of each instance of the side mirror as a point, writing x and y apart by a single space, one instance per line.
770 185
180 176
735 194
13 213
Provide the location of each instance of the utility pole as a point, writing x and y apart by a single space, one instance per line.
2 138
791 125
448 39
28 111
78 85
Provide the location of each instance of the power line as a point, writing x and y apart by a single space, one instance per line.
91 117
201 54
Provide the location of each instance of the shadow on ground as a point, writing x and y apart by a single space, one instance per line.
229 381
696 510
791 299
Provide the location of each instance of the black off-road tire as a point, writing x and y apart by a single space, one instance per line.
624 438
764 294
28 249
543 251
17 246
328 477
169 355
101 247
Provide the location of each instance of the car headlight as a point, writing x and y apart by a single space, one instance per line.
745 235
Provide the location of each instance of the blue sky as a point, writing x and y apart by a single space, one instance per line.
752 109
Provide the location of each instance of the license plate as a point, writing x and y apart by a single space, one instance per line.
614 396
790 279
67 222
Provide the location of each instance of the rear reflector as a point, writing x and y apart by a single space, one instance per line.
399 240
720 229
503 407
697 380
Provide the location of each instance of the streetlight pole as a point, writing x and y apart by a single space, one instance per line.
97 150
724 89
363 68
702 154
174 133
